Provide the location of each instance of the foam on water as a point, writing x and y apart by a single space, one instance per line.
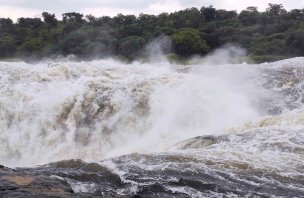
94 110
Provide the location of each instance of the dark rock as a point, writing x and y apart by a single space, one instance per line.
6 185
200 142
16 183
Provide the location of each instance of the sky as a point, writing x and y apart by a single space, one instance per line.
33 8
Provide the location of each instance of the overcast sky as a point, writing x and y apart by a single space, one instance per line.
34 8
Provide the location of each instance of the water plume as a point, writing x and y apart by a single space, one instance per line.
157 128
228 54
157 49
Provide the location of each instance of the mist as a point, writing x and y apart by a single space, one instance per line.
97 109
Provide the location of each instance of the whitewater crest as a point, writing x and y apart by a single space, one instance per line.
203 129
92 110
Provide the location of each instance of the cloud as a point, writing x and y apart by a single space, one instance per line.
77 5
153 8
30 8
261 4
16 12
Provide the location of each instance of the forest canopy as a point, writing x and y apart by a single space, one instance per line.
267 36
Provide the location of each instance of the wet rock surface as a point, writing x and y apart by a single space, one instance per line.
172 175
200 142
19 183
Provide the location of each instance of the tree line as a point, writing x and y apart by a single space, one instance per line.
267 36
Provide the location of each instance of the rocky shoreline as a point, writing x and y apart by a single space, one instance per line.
19 183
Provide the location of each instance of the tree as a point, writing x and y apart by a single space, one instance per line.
208 13
121 19
296 41
295 14
90 18
130 46
49 19
73 44
270 45
7 46
275 9
6 26
252 9
225 15
250 16
147 21
189 41
31 23
104 21
72 17
31 47
274 32
188 18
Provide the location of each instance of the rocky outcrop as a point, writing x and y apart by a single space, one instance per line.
200 142
17 183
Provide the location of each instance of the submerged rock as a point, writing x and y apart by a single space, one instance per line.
200 142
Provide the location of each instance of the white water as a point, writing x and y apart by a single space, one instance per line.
93 110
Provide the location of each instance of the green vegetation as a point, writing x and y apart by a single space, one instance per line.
270 35
189 41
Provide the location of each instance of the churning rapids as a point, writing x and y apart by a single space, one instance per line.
157 130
